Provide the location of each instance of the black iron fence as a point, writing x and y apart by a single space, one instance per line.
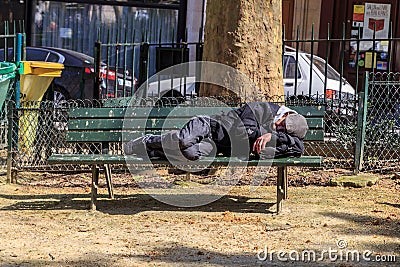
123 67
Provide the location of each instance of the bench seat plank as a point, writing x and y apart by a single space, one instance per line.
309 161
131 123
106 136
182 112
140 112
310 111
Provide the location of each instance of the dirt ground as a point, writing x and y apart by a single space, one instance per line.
45 221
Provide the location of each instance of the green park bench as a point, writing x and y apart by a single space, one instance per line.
105 125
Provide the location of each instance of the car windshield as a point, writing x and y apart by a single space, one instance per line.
320 64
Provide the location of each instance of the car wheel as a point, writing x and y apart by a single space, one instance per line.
60 95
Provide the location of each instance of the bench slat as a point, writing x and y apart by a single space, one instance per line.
107 136
183 112
310 161
315 111
309 111
169 123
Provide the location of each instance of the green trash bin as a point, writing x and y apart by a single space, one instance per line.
7 72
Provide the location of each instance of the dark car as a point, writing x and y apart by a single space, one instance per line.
77 78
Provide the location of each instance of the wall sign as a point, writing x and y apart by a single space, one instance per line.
358 16
367 19
376 17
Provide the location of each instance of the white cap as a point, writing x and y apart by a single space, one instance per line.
282 111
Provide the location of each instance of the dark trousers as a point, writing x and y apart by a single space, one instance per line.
193 141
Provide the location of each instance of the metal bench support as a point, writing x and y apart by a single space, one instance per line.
110 189
95 186
281 187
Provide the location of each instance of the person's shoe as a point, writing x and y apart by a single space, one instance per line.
137 146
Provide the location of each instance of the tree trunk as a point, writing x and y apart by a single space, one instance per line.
245 35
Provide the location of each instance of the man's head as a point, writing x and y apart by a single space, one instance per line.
296 125
292 123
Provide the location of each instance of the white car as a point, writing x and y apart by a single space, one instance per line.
334 85
175 87
169 87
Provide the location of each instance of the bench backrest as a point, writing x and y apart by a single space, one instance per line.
117 124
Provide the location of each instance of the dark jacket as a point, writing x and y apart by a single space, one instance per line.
239 125
283 145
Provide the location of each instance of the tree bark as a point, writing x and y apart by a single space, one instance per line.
245 35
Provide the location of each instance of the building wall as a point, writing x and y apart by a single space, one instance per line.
194 19
306 16
12 10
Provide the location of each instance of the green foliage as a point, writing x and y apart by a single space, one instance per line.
378 135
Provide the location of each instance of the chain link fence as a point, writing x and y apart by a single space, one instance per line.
382 143
39 130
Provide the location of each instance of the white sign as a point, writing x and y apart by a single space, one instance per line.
376 18
66 33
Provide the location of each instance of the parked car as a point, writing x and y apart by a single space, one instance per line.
338 93
335 85
176 87
77 78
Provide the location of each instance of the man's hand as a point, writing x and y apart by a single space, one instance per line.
261 141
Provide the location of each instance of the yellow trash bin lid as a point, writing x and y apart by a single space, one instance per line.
40 68
36 77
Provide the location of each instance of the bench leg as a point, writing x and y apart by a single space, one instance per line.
95 186
107 171
285 182
281 187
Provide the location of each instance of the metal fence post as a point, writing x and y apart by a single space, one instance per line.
97 70
199 57
13 127
143 63
18 60
361 125
10 153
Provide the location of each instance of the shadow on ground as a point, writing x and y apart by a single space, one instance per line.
133 204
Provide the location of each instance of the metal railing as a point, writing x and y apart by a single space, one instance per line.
123 67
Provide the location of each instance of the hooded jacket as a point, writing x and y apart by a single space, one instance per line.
283 145
243 126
